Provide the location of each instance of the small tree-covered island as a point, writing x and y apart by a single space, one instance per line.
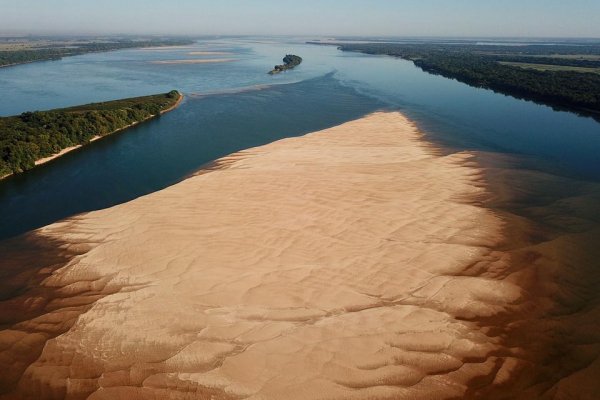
566 77
33 136
290 61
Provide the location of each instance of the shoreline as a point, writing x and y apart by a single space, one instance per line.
95 52
194 61
358 262
66 150
25 62
310 243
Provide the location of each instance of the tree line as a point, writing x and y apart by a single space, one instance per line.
56 52
28 137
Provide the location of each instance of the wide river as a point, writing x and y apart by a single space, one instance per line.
235 105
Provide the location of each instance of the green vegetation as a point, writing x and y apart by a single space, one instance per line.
49 51
563 76
290 61
28 137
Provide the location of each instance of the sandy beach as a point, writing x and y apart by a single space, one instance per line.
166 48
195 61
358 262
71 148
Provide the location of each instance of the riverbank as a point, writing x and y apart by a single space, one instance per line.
71 148
356 262
174 106
195 61
52 50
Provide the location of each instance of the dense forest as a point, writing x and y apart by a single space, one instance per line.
28 137
484 66
290 61
56 52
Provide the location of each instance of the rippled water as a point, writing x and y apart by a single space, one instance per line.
234 105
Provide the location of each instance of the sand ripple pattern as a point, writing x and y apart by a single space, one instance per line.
352 263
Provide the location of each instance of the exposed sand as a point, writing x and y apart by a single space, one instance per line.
209 53
69 149
195 61
174 106
166 48
353 263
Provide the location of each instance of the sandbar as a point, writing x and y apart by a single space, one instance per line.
195 61
358 262
209 53
71 148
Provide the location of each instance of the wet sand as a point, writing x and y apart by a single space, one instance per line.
359 262
195 61
166 48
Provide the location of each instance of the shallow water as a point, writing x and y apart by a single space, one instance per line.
236 105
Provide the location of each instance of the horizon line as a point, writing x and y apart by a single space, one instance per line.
329 36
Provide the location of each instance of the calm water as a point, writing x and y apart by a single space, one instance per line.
236 105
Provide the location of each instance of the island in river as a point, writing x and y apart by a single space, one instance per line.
16 50
34 138
290 61
359 262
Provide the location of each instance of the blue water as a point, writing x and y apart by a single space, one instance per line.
235 105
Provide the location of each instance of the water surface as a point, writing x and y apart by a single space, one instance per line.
235 105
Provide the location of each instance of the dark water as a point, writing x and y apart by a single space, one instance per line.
329 88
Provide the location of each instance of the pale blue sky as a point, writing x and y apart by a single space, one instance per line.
556 18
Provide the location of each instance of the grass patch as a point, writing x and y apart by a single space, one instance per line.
547 67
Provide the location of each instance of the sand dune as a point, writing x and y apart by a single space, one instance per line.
354 263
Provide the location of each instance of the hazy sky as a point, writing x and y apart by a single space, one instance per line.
571 18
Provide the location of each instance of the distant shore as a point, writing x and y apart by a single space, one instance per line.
195 61
22 63
61 49
72 148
